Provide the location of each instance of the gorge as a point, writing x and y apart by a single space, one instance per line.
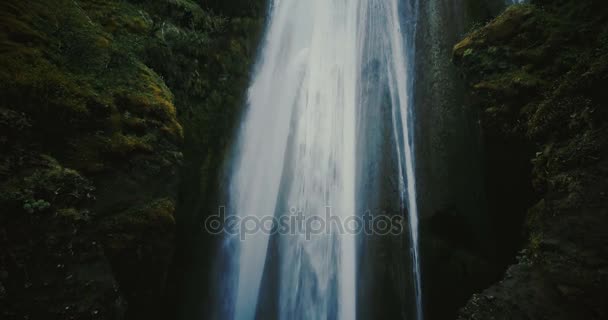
478 125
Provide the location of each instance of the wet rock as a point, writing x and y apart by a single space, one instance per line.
568 291
532 94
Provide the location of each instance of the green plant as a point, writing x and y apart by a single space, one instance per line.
32 205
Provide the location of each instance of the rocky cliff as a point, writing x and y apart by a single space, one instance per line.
99 101
538 75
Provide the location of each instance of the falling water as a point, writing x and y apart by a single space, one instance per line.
297 148
400 95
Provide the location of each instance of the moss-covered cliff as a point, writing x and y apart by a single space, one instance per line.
99 100
538 74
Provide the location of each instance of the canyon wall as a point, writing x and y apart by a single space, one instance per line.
537 75
114 117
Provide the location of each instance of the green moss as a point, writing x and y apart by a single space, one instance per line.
60 89
46 187
75 88
123 145
72 214
534 248
113 90
508 23
538 74
205 59
32 206
156 217
510 84
117 17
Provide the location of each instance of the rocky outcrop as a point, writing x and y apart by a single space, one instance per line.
538 75
99 99
87 132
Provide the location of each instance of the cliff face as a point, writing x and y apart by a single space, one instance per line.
99 99
538 74
459 239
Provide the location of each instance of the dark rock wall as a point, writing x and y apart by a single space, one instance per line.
458 239
87 132
98 101
537 74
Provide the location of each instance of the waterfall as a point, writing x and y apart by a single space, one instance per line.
297 152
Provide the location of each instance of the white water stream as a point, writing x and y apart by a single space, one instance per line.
297 149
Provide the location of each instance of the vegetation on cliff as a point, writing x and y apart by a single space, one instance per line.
99 99
538 74
116 116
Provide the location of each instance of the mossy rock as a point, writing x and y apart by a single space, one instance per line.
537 72
113 90
82 117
